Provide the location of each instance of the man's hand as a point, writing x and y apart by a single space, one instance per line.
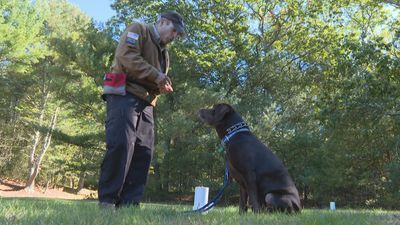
164 83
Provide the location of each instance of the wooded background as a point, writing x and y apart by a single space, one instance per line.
317 81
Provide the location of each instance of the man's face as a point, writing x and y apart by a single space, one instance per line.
167 31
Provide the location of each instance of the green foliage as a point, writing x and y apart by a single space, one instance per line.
20 35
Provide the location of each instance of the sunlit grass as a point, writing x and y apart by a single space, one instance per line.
49 211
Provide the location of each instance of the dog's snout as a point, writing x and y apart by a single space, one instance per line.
201 113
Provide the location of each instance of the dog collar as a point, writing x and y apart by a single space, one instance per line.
231 131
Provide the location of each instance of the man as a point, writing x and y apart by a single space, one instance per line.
138 75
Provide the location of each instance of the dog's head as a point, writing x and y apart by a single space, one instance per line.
216 114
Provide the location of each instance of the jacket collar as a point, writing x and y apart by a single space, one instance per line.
155 36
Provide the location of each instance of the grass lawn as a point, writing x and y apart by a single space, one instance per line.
51 211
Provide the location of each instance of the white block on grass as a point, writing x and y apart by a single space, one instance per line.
200 197
332 205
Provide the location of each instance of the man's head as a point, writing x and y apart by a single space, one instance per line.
170 26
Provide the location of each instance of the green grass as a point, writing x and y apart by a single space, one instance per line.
51 211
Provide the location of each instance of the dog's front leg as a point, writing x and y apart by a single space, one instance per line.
243 200
251 187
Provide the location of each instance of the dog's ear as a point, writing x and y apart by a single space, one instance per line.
221 110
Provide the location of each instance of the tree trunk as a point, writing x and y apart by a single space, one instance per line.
30 184
305 194
81 181
47 186
71 183
36 137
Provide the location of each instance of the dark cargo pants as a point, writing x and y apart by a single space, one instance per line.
130 143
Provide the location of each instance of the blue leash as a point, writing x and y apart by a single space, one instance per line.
218 196
232 131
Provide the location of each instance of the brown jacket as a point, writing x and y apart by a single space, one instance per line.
140 56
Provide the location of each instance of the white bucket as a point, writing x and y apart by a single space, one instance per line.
332 205
200 197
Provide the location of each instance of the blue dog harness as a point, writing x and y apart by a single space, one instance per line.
231 131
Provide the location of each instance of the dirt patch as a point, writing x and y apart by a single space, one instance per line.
13 188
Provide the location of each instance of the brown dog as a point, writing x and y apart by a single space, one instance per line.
262 177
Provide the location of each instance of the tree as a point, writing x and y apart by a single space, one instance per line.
80 55
20 41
